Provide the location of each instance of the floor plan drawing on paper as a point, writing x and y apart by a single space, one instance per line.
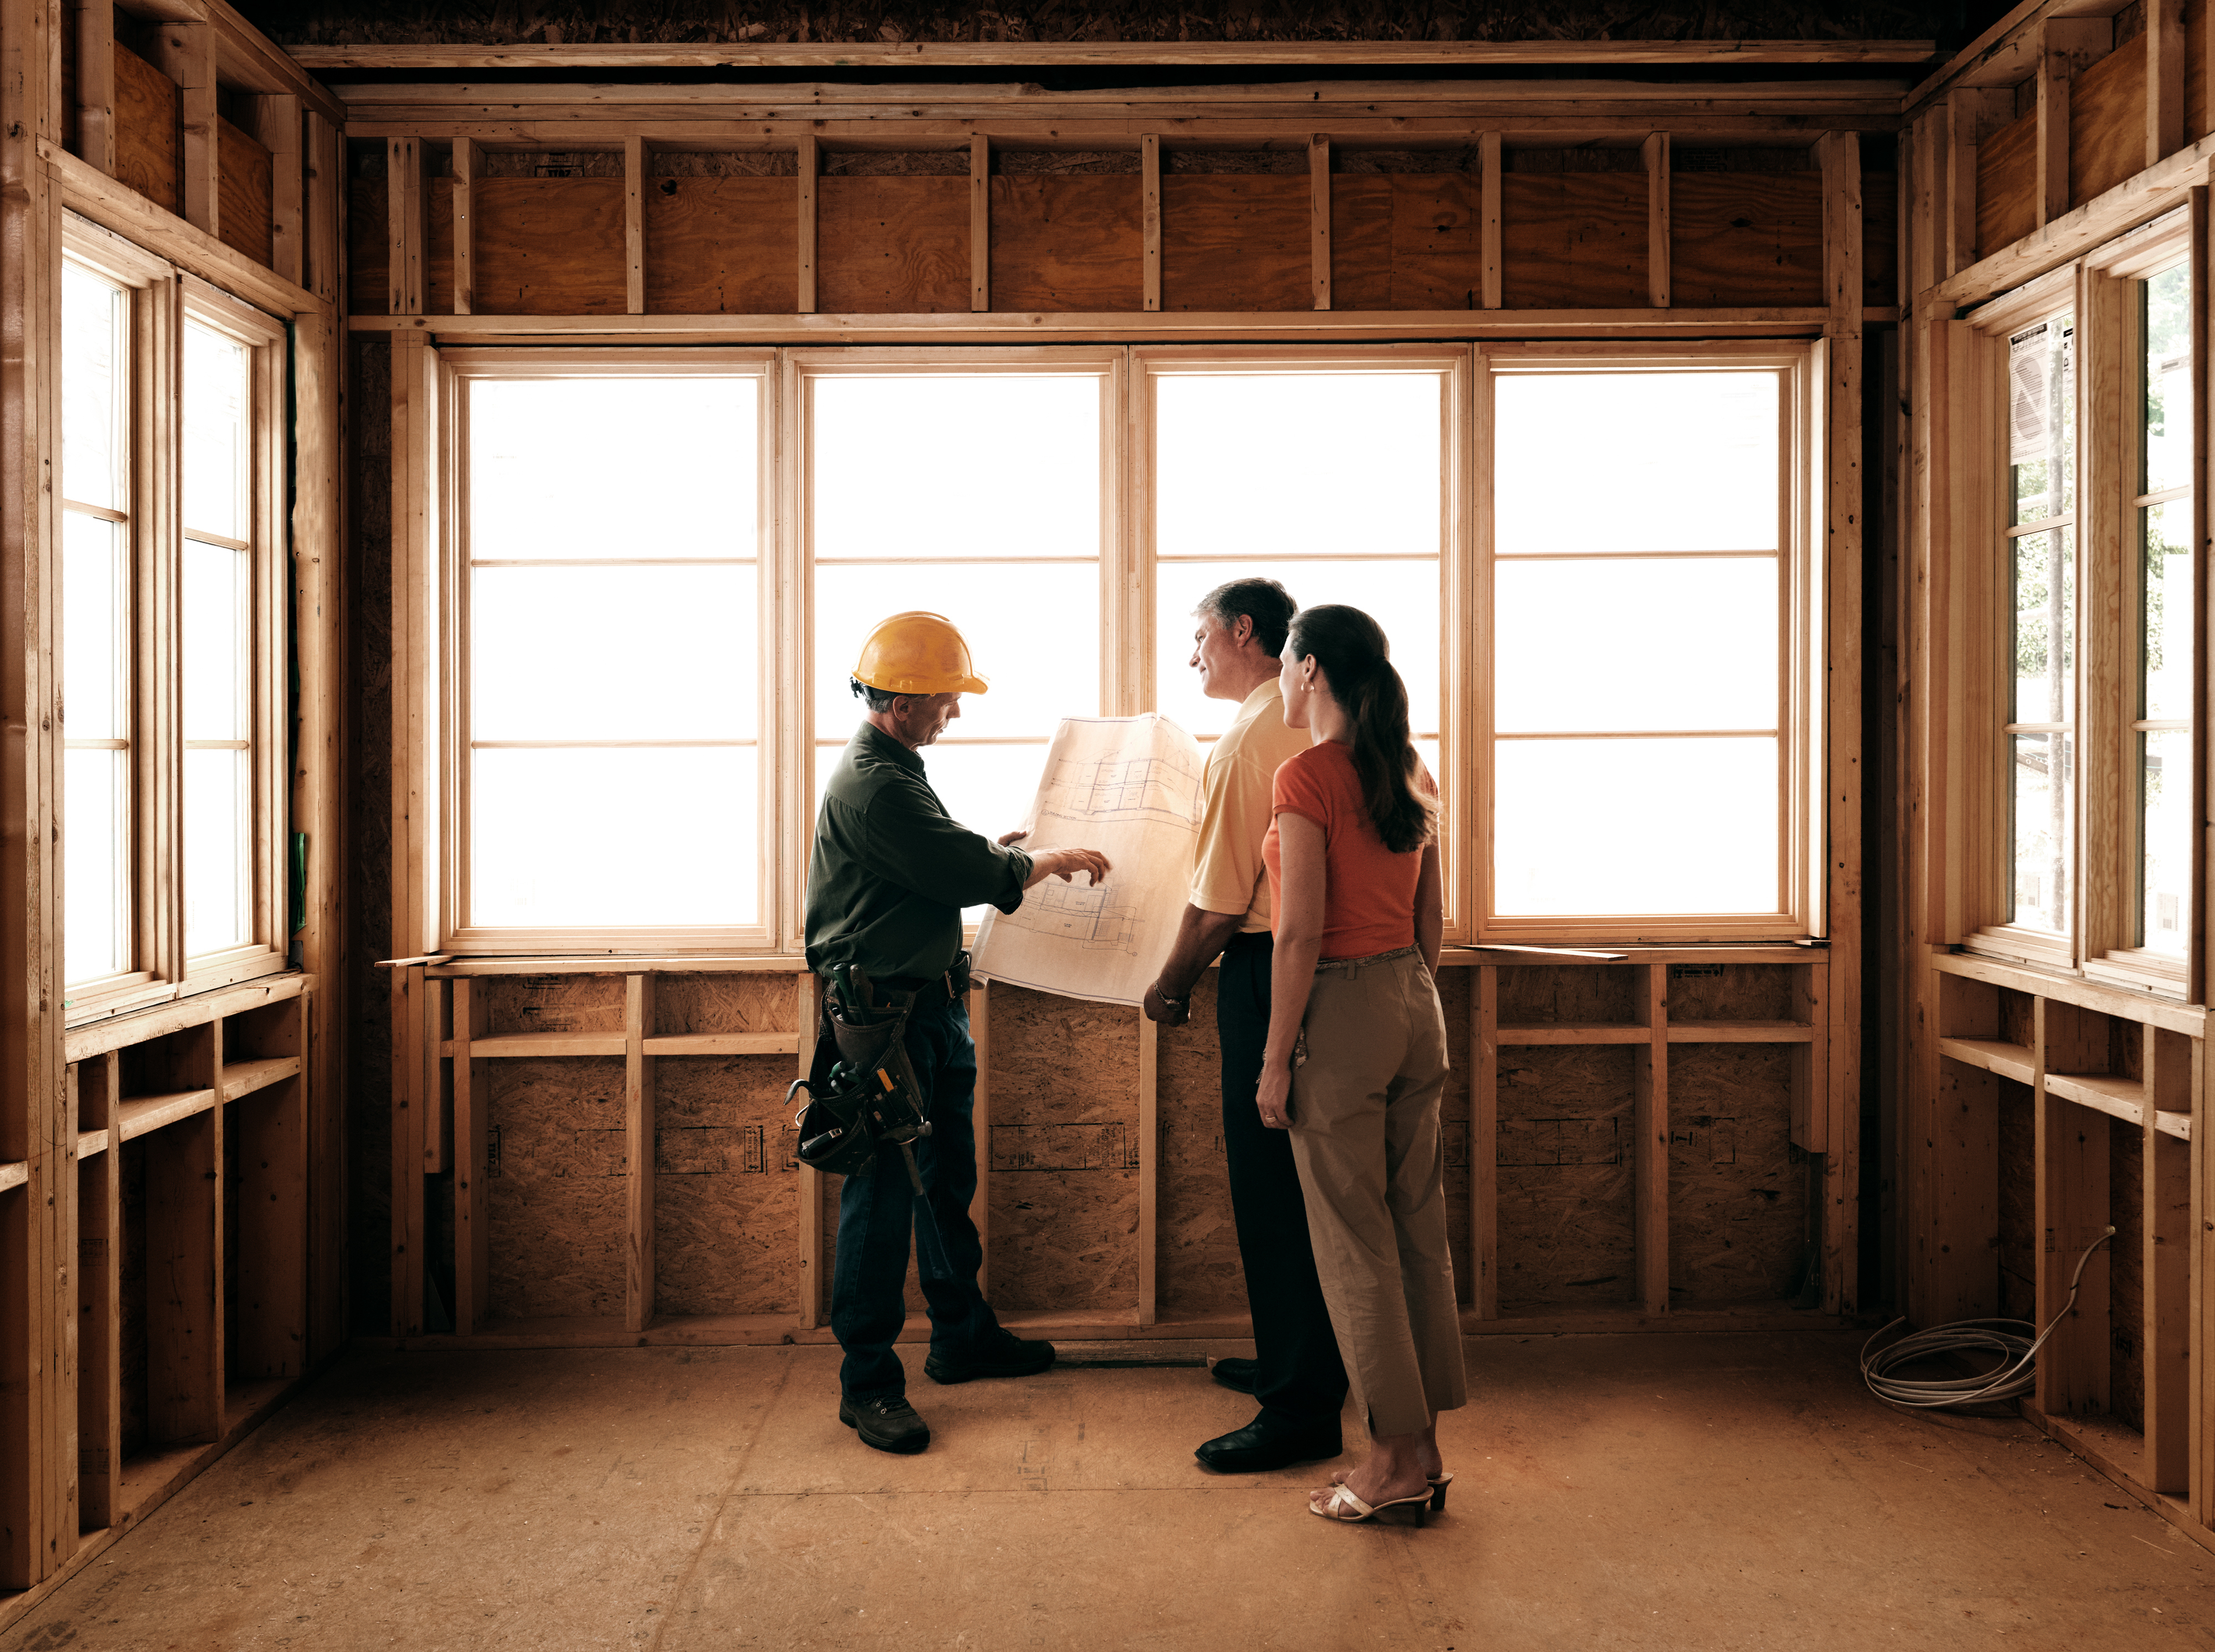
1129 786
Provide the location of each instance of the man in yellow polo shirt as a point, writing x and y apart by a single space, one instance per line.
1297 1373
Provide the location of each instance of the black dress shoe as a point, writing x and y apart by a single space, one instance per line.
1009 1356
1240 1374
1265 1444
888 1422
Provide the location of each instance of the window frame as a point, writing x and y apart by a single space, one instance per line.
161 298
1801 655
456 370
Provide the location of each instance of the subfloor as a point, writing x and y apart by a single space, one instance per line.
1653 1491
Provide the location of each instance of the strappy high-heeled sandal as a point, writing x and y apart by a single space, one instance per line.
1345 1504
1439 1483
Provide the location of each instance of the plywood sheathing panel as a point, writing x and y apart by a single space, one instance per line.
1573 240
2195 69
1737 993
1063 1152
1532 996
2007 185
1880 239
438 245
1066 242
557 1187
2126 1273
369 256
552 1003
1738 1200
892 245
722 1004
1565 1172
1410 242
726 1184
1199 1272
1457 988
1232 242
244 211
550 246
722 164
722 245
2106 122
149 150
1745 238
2019 1239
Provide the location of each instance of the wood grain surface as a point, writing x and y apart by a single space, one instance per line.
1747 238
148 151
1573 240
2007 185
1406 240
2106 122
892 245
550 246
721 245
1235 243
1066 242
243 216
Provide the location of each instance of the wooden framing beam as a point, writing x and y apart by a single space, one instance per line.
1489 266
1150 1169
468 166
278 129
635 159
325 204
409 232
1484 1127
638 1141
808 1014
2170 1062
186 53
2164 78
94 23
1649 1090
1149 219
1319 220
472 1144
810 172
980 223
1654 151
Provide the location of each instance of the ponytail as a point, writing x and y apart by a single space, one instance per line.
1356 658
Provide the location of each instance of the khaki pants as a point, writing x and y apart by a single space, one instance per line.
1373 1166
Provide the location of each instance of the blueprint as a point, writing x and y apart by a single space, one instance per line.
1129 786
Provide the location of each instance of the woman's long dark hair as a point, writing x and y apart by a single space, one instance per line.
1351 650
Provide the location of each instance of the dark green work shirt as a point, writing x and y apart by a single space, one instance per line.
891 870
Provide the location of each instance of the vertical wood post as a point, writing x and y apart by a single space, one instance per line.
186 53
2051 196
635 224
2164 78
326 201
278 128
980 224
404 215
806 1013
1649 1090
2165 1242
1149 218
980 1119
468 166
472 1145
100 1299
1319 220
1489 189
407 1153
1655 153
2071 1210
2202 244
811 170
270 1339
1483 1142
638 1125
2199 1440
1149 1166
1955 218
414 630
94 23
1925 176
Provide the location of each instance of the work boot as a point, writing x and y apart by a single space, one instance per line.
888 1422
1007 1355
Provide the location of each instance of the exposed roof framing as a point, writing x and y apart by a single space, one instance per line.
2006 54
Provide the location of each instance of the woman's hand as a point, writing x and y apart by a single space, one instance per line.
1274 1096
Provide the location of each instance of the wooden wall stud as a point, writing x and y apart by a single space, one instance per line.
408 230
278 129
1655 153
635 162
1649 1092
1319 218
980 224
2072 1161
638 1140
468 166
1488 169
95 22
2066 45
2164 78
811 170
2165 1240
186 53
1149 218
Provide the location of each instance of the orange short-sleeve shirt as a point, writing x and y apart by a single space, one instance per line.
1369 892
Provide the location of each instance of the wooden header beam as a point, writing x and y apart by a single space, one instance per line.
1109 54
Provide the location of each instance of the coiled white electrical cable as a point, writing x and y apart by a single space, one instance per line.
2010 1339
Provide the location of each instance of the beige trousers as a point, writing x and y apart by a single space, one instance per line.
1371 1160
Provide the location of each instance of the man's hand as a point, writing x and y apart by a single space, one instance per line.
1158 1008
1006 839
1066 864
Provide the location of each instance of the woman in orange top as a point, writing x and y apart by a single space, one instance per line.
1356 1061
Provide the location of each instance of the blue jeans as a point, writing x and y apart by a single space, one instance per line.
876 1213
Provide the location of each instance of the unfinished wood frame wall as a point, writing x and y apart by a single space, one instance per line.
71 1096
2071 1080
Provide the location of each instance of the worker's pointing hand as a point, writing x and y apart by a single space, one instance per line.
1064 863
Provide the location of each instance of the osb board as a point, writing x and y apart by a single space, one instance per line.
1564 1174
1197 1263
2106 122
1573 240
550 246
244 212
2126 1274
725 1004
1066 242
1737 1201
131 1295
726 1185
1533 994
558 1191
550 1004
1406 242
369 252
892 245
1236 242
1063 1152
1747 238
2007 185
2018 1191
722 245
1880 238
1456 989
1733 992
149 150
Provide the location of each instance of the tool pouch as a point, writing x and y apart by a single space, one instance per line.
863 1091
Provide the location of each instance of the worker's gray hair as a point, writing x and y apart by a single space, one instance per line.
877 699
1265 602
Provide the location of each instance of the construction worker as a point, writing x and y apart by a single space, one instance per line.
890 874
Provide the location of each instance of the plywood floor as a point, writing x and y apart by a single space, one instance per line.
1651 1492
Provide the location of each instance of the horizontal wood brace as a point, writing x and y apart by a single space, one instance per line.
16 1173
139 1114
141 1025
2014 1061
2144 1008
244 1077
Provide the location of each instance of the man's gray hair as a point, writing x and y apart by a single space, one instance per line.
1265 602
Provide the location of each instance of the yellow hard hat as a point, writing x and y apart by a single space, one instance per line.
918 654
